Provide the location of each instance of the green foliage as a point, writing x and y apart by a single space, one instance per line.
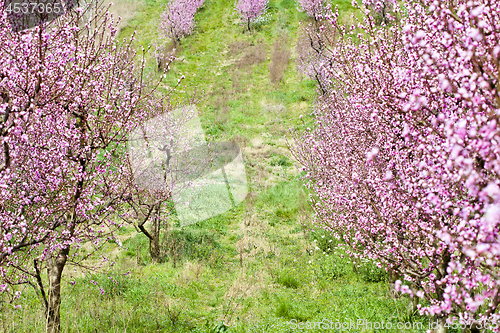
192 244
285 195
343 5
113 284
290 309
221 328
369 272
285 213
334 266
280 160
288 279
289 4
137 247
324 240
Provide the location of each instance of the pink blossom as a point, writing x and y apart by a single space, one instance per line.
423 90
249 10
177 21
313 8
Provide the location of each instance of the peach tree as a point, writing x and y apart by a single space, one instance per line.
405 155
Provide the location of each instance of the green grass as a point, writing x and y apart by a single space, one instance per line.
254 268
209 65
294 273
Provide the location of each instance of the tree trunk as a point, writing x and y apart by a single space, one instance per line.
392 279
472 329
154 241
439 326
412 306
248 25
55 269
154 248
159 62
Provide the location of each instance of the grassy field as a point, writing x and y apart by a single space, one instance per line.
261 267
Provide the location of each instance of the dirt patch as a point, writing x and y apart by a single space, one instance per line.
243 287
279 60
164 51
258 155
238 47
255 55
190 272
274 108
126 9
248 54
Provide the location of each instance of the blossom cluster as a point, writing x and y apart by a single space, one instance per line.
313 8
67 103
249 10
405 155
177 21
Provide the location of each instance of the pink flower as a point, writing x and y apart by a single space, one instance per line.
249 10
